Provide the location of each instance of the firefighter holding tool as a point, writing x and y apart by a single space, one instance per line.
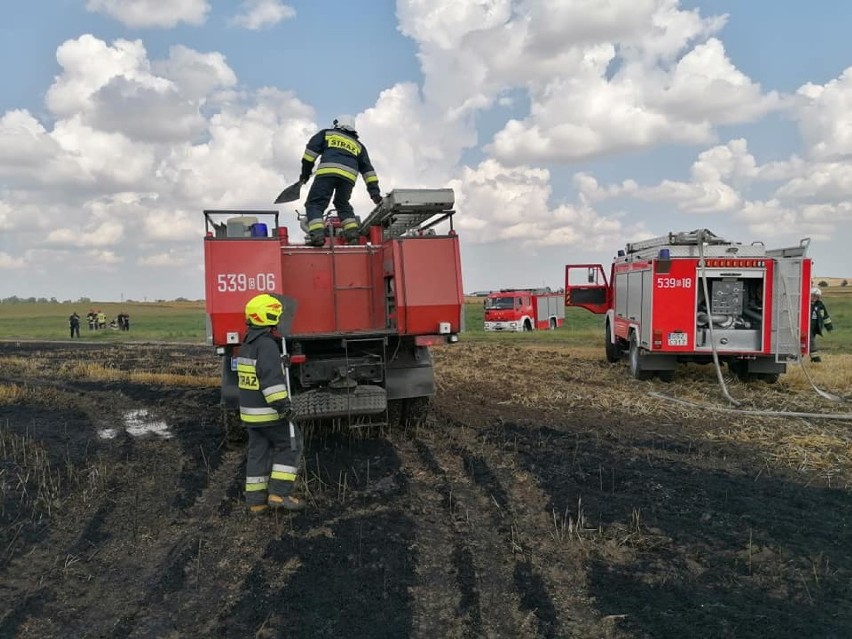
274 441
342 157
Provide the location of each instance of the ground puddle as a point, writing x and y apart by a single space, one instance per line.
138 422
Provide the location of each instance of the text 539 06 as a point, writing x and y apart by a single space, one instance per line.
233 282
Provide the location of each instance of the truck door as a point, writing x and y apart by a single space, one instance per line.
586 286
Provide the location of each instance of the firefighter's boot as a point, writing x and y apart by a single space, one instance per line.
316 237
352 236
288 502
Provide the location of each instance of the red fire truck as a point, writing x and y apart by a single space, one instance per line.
359 319
684 296
523 309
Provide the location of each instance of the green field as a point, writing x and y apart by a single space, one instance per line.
154 321
185 322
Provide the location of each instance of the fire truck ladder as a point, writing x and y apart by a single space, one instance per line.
686 238
405 210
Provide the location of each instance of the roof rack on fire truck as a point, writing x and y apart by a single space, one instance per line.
685 238
405 210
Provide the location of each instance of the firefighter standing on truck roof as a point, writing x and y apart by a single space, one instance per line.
343 158
274 442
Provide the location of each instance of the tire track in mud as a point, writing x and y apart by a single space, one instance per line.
483 548
518 503
177 569
343 567
455 610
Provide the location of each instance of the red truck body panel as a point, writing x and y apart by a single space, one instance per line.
754 311
338 290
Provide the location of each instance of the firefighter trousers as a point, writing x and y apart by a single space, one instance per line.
272 461
320 195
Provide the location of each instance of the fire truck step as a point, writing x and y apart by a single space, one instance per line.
321 403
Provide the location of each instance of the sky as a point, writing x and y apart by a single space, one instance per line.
566 128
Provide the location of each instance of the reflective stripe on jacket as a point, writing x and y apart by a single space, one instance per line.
260 378
342 154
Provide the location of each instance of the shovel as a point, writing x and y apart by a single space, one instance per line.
290 194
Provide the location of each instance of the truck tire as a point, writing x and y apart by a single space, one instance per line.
636 357
613 353
769 378
527 326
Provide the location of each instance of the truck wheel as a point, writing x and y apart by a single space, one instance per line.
552 324
636 357
613 353
740 369
769 378
527 326
415 410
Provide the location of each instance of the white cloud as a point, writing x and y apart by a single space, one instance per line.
107 233
825 117
152 13
512 203
260 14
164 260
8 262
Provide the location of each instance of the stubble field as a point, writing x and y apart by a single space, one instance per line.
544 494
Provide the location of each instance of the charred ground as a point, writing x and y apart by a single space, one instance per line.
544 495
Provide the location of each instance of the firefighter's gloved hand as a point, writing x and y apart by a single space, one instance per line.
304 178
829 327
285 409
377 199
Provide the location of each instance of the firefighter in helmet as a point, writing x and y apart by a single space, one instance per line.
344 156
274 441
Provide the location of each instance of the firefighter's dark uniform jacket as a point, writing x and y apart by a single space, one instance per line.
261 379
820 318
275 444
343 155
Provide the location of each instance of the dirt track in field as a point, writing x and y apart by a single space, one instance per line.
543 496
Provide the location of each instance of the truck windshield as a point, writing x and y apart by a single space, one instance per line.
500 303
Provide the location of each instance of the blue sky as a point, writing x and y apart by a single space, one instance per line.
566 129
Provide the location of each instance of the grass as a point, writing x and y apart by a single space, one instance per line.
583 329
185 322
154 321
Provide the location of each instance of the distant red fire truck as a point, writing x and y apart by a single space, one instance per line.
524 309
360 318
683 296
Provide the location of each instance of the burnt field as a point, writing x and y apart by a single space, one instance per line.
544 494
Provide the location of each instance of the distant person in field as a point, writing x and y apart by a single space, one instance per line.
92 318
820 320
125 321
74 324
102 320
266 410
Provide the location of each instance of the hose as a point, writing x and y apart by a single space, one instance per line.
713 349
824 394
742 411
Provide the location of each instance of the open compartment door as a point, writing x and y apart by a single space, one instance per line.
586 286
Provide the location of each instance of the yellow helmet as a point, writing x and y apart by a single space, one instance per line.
263 310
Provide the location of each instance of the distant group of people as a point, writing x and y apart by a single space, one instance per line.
97 320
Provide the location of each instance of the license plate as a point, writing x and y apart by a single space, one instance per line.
678 339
